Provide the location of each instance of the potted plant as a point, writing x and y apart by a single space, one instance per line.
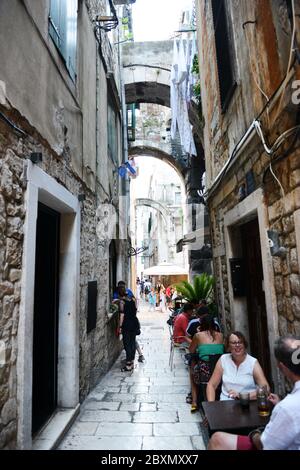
201 288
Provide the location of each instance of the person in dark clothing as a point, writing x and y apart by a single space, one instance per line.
129 327
195 324
120 293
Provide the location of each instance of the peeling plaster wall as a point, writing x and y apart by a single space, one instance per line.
54 109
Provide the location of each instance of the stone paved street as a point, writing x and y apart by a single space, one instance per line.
145 409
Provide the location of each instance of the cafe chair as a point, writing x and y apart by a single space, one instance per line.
173 345
208 368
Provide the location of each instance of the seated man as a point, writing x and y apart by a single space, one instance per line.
283 430
180 326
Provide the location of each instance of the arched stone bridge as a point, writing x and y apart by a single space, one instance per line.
147 69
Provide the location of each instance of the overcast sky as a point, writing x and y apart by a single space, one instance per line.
156 20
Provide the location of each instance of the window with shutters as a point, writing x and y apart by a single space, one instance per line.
224 52
63 31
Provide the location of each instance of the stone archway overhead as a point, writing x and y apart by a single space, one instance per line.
154 205
148 92
141 150
147 69
147 76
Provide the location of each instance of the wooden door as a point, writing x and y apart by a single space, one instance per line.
257 312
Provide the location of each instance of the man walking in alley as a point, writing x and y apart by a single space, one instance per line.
121 292
283 430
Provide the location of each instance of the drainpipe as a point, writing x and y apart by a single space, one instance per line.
97 119
124 153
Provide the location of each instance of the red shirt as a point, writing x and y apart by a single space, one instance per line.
180 326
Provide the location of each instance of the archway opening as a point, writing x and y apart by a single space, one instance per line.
158 218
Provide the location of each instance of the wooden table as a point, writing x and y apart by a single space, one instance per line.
229 416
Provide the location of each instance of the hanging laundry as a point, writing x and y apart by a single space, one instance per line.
130 169
173 90
182 68
181 95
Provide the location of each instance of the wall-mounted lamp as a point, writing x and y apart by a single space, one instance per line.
36 157
81 197
275 248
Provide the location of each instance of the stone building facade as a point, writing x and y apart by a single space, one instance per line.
60 148
249 71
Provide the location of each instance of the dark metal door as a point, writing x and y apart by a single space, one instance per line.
45 332
257 312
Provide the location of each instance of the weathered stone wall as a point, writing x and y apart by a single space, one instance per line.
281 212
99 348
12 215
260 58
256 63
281 218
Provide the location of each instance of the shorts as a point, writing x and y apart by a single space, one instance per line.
244 443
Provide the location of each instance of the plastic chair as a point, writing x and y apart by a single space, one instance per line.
172 346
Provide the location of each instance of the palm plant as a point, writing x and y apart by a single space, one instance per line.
202 288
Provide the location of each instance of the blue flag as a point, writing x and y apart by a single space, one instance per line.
122 171
130 168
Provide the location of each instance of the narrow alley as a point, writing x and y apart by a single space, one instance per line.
145 409
149 150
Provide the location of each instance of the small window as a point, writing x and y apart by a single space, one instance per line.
177 198
63 31
224 52
289 11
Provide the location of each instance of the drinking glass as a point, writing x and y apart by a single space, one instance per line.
244 399
263 404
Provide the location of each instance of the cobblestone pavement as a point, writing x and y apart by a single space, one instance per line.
145 409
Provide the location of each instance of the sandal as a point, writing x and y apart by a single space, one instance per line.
127 368
194 408
188 398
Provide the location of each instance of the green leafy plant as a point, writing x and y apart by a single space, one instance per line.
195 68
201 288
197 91
113 308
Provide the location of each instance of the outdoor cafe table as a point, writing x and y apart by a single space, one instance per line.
229 416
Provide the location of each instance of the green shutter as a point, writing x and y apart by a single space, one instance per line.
54 22
71 36
63 30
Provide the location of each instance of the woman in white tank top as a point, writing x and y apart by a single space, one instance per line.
238 371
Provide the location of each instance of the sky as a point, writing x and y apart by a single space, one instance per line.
156 20
148 165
